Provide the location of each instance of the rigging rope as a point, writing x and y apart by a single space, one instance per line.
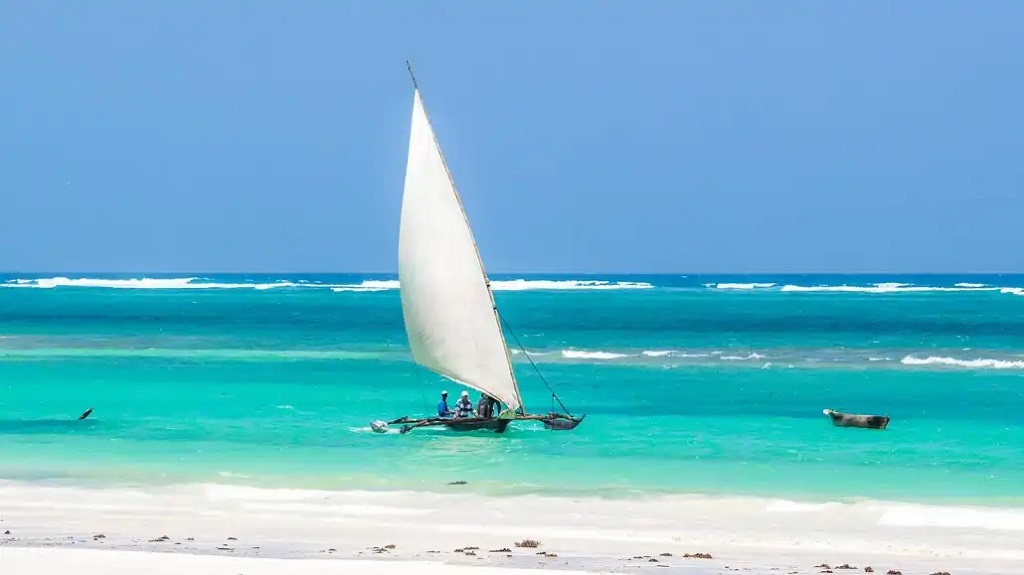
554 396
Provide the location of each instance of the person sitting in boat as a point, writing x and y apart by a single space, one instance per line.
442 406
464 406
485 407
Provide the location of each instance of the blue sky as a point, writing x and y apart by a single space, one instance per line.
583 135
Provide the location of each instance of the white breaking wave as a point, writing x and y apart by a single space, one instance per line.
512 285
530 353
670 353
145 283
894 287
738 286
368 285
748 357
980 363
876 288
580 354
521 285
934 516
364 286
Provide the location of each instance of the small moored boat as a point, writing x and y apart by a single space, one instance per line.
857 420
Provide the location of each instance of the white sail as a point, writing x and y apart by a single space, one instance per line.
449 311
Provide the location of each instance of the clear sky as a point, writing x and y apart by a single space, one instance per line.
647 136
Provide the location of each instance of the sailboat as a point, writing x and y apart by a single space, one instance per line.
451 319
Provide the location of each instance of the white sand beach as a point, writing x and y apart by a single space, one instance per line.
222 529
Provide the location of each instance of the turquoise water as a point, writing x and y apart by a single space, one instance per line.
692 384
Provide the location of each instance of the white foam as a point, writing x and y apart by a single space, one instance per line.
368 286
980 363
140 283
741 286
513 285
580 354
786 506
975 518
748 357
364 286
522 285
894 287
671 353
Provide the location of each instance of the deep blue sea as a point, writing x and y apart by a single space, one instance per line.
690 383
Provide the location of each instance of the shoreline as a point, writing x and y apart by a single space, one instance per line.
462 488
574 533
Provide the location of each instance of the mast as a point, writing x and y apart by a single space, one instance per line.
476 249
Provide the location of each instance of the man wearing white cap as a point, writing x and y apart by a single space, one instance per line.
442 406
464 407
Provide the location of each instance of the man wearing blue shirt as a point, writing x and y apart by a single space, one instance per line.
442 406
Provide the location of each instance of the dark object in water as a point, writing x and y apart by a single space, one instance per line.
87 413
495 424
855 420
456 424
561 424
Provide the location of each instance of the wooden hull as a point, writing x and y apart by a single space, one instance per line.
562 424
497 424
478 424
857 420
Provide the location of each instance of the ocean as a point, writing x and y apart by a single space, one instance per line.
692 384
